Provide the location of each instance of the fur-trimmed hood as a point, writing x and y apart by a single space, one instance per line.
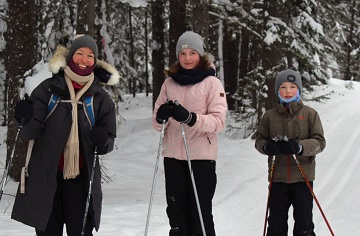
103 70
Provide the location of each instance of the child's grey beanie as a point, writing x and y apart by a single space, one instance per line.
288 75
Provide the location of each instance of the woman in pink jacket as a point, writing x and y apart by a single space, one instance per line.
197 99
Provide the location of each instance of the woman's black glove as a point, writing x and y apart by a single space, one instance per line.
181 114
163 113
291 146
99 137
272 147
24 111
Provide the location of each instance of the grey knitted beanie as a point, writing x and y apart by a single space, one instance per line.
192 40
288 75
81 41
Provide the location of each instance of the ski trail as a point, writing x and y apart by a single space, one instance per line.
343 152
350 160
240 199
327 177
336 179
242 208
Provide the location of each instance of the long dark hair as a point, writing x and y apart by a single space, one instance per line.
206 62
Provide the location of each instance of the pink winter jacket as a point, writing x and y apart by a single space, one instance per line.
207 100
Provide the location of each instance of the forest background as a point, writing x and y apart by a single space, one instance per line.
251 42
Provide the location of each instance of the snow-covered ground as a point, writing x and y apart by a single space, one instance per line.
241 194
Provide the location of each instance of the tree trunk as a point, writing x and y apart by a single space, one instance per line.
350 39
147 85
20 56
177 26
158 63
86 17
231 62
97 33
131 56
200 18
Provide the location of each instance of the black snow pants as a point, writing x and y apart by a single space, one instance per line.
181 205
69 208
284 195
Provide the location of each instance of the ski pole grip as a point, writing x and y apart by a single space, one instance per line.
169 102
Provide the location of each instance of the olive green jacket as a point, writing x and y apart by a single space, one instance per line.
299 122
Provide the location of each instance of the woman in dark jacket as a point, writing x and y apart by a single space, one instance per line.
60 166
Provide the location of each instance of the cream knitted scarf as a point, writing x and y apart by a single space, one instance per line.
71 151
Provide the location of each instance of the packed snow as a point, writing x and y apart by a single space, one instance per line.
241 194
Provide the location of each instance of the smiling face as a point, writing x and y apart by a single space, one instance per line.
84 58
189 58
288 90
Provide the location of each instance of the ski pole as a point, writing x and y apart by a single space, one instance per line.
155 175
193 180
277 138
7 167
312 193
269 192
89 193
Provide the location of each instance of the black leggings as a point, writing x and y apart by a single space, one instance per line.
181 205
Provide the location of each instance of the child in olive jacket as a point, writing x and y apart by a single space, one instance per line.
291 128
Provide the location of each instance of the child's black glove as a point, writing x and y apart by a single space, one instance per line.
272 147
291 146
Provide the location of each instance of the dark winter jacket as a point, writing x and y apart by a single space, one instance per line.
301 123
34 207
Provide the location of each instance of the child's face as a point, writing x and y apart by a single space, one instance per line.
189 58
288 90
